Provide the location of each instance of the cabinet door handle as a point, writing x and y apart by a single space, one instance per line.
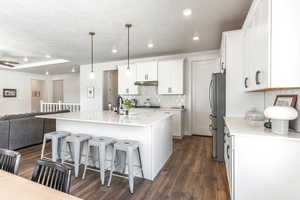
169 90
246 82
258 72
145 76
222 66
127 90
227 151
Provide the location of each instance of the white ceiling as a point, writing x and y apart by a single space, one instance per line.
60 27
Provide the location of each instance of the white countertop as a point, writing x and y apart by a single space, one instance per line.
160 108
108 117
241 127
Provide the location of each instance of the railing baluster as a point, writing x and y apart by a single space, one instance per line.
53 107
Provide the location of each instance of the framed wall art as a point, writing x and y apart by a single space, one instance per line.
286 100
9 93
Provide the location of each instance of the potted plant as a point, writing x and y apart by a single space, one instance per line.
128 104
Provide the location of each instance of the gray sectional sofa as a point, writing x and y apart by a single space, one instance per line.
18 131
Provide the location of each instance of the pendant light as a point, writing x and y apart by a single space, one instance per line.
128 26
92 74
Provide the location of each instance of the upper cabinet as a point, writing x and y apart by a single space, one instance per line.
126 80
271 45
147 71
223 53
170 77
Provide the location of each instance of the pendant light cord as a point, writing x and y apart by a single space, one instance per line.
128 26
128 48
92 54
92 49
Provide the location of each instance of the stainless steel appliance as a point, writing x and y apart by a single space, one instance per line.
217 98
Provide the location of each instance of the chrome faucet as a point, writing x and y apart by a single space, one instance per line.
119 104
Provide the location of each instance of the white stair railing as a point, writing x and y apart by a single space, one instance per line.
53 107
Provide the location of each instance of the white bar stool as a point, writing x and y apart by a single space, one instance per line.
56 138
101 143
78 142
127 146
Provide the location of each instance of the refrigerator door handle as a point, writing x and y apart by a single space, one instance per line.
210 92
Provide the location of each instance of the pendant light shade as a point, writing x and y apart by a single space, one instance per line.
128 26
92 73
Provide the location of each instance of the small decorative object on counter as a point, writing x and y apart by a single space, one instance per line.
268 125
147 103
128 104
286 100
280 116
109 106
254 115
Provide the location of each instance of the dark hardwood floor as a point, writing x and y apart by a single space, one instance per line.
190 174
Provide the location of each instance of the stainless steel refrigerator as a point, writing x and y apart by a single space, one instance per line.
217 98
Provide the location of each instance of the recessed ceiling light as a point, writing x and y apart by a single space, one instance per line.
114 50
25 59
187 12
150 45
196 38
47 73
48 56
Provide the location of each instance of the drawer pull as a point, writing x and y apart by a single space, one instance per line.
227 151
257 77
246 82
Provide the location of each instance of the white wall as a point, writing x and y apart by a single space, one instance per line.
95 104
71 86
22 82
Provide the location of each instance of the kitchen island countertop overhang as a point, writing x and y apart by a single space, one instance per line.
151 129
108 117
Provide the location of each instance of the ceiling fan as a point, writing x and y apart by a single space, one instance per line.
8 63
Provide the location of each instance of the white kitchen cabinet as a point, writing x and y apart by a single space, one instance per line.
176 121
272 47
259 164
177 126
147 71
223 53
228 158
170 77
237 101
126 80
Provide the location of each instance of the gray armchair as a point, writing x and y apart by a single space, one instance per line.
18 131
4 133
25 131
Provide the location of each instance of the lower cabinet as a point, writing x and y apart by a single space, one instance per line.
262 167
229 158
177 126
177 119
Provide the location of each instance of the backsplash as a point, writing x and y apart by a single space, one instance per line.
270 98
150 92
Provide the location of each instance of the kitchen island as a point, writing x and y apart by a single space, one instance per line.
151 129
